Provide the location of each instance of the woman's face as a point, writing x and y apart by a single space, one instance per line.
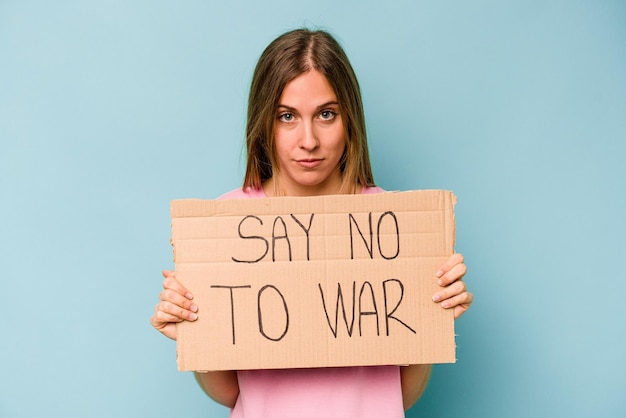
309 137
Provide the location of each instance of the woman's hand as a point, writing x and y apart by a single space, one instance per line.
454 294
176 305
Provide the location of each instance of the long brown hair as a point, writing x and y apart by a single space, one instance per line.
288 56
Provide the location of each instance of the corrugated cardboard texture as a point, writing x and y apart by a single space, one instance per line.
324 281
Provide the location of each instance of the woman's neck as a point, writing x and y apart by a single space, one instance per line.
273 187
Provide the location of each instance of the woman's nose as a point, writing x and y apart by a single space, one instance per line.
308 137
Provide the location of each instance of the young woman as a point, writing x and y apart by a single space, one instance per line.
306 137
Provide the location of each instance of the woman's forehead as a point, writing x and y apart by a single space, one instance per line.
310 89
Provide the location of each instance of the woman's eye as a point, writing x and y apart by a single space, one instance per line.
286 117
327 115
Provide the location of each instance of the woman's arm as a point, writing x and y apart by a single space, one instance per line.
221 386
176 305
414 379
454 295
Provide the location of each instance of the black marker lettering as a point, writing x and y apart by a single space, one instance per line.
277 237
368 247
306 231
261 330
232 304
362 312
349 327
390 314
241 235
380 250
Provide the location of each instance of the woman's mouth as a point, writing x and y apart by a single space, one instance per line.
309 162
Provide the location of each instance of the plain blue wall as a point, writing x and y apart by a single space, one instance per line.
108 110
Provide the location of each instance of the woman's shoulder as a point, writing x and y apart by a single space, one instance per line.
243 193
372 190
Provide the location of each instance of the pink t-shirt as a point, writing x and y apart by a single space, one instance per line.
342 392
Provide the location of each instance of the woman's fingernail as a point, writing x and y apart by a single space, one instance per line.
439 273
436 298
193 308
440 282
189 295
193 316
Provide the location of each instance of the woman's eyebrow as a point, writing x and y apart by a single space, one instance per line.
289 108
331 103
293 109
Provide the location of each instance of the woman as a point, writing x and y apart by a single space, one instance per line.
306 137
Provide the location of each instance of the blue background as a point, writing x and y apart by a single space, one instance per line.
108 110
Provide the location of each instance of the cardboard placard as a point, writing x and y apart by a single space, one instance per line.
290 282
